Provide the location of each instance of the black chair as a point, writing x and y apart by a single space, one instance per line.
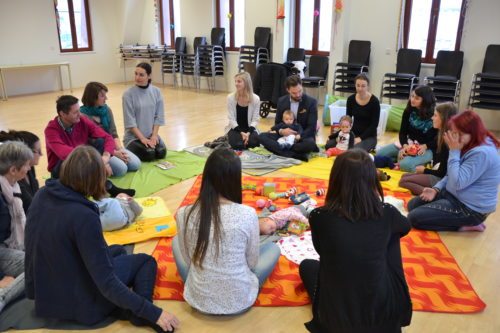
269 84
218 37
295 54
446 80
188 61
262 38
171 61
400 84
485 88
318 71
358 61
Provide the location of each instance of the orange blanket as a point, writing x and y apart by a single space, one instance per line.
436 282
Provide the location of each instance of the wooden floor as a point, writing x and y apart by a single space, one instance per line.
195 117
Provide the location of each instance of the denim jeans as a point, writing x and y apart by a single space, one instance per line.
444 213
408 163
120 168
269 254
11 264
137 271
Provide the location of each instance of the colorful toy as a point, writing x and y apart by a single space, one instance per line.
272 208
268 188
299 198
277 195
320 192
296 227
413 148
261 203
251 187
291 191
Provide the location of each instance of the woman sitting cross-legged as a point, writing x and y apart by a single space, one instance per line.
416 127
358 285
71 274
243 114
217 247
425 177
464 198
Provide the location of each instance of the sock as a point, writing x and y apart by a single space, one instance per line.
114 190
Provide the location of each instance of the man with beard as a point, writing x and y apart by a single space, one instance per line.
305 110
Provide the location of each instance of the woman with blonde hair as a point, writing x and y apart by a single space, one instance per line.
243 114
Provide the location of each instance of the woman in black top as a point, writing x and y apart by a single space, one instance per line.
29 184
364 107
358 285
424 177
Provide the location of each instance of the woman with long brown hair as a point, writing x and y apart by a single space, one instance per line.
217 248
425 177
358 285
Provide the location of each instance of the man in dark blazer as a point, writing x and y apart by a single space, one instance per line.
305 109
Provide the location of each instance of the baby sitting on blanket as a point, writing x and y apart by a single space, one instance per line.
116 213
277 220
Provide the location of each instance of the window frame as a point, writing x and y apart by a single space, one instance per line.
172 21
316 23
231 46
74 39
428 57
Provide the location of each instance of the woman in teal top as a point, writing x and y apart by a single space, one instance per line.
95 107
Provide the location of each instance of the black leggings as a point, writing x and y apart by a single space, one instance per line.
236 141
147 154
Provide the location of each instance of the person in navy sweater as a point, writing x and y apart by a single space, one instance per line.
70 272
464 198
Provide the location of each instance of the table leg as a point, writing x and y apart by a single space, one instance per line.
69 77
4 88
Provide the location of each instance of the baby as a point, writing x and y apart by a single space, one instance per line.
116 213
342 140
286 142
278 219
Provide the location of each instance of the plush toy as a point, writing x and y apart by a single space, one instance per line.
291 191
261 203
297 227
251 187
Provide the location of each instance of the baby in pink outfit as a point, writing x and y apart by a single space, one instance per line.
278 219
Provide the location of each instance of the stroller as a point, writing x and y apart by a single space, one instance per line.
269 84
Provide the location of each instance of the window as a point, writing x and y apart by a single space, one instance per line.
313 25
433 25
73 25
230 16
168 28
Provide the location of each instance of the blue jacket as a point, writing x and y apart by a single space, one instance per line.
307 114
68 269
474 177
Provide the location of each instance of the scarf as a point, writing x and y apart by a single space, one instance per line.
423 125
98 111
17 217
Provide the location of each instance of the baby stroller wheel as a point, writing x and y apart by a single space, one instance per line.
264 109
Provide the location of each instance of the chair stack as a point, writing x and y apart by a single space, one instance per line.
252 54
358 61
446 80
171 60
318 70
209 64
485 87
188 61
400 84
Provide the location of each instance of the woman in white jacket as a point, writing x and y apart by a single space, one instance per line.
243 114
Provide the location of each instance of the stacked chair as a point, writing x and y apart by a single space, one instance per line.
358 61
188 68
446 80
400 84
210 59
485 87
318 70
252 56
171 60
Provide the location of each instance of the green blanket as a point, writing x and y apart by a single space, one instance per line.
150 179
395 116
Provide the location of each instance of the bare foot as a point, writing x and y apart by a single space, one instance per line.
480 227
